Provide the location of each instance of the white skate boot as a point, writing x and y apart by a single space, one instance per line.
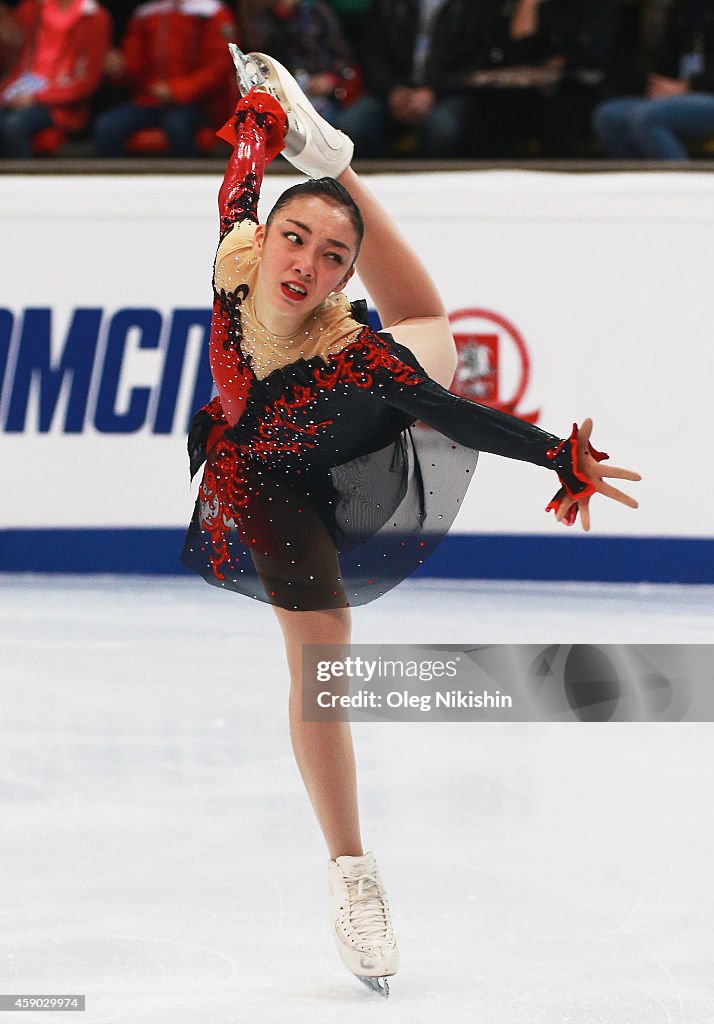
359 915
311 143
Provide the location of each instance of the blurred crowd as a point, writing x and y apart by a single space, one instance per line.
435 79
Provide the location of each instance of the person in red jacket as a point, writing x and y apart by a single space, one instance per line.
57 50
176 66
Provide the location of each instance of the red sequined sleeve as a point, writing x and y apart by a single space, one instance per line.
255 131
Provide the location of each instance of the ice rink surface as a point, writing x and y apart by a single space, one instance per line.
159 855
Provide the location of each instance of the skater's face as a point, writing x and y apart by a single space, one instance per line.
307 253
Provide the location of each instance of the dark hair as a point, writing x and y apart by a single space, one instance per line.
332 192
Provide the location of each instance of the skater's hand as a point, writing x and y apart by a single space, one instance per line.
596 473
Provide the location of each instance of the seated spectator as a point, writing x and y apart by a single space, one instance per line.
54 51
175 63
584 41
417 57
546 69
679 101
306 36
520 63
110 92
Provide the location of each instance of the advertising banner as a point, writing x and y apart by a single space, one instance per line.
570 296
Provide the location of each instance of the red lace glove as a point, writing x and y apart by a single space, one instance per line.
578 466
575 483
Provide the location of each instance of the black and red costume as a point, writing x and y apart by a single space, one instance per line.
315 492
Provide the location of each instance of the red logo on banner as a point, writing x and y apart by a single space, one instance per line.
494 366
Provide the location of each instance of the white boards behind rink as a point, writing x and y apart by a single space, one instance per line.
571 296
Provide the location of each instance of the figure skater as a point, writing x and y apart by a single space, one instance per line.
314 497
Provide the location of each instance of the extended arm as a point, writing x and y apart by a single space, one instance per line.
255 131
393 375
400 381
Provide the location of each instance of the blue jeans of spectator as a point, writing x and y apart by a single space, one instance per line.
632 128
19 127
444 132
179 122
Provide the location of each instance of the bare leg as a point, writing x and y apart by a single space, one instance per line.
323 750
406 298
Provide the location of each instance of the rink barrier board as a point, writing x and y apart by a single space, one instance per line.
460 556
547 278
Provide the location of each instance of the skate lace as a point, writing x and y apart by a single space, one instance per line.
368 908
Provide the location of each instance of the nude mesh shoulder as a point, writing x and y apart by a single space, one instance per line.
342 329
234 255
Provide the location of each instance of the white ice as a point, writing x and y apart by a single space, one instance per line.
159 855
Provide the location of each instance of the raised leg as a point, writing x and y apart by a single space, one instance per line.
406 297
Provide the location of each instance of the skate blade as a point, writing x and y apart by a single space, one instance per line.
380 986
248 74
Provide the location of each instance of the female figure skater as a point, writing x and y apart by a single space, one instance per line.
313 496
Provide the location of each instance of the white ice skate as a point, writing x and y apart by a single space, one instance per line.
359 915
311 143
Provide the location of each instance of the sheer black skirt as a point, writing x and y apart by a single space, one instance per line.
306 537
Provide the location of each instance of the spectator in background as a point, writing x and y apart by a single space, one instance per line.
417 56
175 63
544 72
307 38
679 100
580 41
54 51
110 93
647 23
353 14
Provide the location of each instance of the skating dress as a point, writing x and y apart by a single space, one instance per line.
316 493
